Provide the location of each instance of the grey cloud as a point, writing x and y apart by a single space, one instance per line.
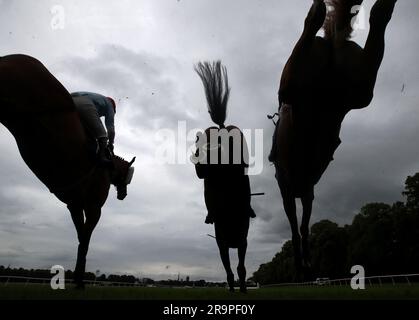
144 84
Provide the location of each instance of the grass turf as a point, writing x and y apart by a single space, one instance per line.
44 292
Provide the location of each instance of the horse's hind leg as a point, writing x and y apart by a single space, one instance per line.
291 212
92 218
77 216
241 269
225 258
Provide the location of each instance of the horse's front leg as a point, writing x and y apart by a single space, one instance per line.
241 269
296 66
315 18
92 218
381 14
225 259
307 203
290 208
78 219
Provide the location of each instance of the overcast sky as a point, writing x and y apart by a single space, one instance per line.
142 54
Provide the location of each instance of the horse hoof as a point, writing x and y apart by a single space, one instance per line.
243 289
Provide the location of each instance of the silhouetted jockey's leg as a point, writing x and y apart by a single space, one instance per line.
103 150
91 121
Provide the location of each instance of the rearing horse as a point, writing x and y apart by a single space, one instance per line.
323 80
40 114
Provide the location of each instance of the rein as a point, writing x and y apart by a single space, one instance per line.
272 117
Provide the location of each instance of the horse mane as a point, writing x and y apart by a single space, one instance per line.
119 159
339 17
215 80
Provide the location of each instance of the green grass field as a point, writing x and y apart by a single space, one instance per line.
44 292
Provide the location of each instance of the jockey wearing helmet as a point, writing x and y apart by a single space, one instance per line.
91 107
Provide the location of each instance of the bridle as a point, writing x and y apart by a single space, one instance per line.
272 117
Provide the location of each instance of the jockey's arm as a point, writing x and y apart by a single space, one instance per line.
110 126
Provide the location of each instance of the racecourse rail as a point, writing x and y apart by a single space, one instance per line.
373 280
393 279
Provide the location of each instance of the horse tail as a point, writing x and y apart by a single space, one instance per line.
339 17
215 80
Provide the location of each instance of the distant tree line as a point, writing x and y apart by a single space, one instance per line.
383 238
46 274
90 276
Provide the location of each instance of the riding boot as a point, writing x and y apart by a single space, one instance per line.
103 154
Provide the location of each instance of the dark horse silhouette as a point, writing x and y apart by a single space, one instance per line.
40 114
221 160
323 80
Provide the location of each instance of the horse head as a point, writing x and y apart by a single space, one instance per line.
122 175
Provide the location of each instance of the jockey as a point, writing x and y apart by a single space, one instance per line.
91 107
